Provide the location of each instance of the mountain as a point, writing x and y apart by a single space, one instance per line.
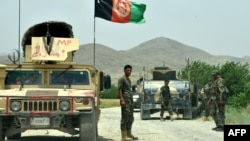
160 51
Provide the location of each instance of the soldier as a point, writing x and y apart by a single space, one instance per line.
218 101
207 91
126 102
165 98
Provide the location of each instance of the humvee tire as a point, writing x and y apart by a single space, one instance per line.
16 136
2 136
187 112
87 127
145 114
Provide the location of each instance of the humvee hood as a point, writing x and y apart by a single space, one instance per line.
47 92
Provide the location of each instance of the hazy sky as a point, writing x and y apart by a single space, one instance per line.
219 27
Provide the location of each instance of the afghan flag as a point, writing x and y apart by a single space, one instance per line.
120 11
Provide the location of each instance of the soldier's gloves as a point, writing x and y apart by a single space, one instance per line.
162 102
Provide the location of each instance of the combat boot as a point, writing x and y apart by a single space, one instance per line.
125 136
219 128
172 118
206 119
162 119
131 136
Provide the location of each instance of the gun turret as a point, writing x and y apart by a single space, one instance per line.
162 73
49 42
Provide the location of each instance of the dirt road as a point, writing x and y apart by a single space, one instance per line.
146 130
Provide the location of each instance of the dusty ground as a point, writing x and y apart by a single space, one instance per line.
146 130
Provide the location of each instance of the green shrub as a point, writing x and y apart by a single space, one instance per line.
241 99
110 93
238 101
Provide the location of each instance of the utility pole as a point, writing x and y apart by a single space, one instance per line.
188 61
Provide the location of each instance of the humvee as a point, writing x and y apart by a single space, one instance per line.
48 90
183 95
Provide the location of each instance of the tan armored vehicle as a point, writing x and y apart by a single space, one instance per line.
183 94
48 90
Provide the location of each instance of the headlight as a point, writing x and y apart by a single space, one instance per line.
85 101
64 105
15 106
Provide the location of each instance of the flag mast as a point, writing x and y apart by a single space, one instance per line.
19 27
94 31
94 44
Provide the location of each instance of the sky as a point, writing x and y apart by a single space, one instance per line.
219 27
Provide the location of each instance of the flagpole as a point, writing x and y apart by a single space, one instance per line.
19 19
94 44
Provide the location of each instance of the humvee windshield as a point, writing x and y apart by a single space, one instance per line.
33 77
23 77
69 77
179 84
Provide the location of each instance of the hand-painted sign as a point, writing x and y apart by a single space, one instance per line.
57 49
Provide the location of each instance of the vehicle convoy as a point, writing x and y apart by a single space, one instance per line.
48 90
183 95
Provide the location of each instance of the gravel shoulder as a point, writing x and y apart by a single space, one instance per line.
147 130
155 130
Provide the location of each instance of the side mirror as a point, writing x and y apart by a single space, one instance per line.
107 81
133 88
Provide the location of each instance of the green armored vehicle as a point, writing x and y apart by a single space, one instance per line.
48 90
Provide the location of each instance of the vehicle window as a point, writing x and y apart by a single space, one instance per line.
69 77
178 84
152 88
23 77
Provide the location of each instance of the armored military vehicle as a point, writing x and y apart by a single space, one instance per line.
48 90
184 95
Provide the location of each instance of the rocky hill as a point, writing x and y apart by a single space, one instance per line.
160 51
156 52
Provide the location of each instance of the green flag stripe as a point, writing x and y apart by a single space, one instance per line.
137 12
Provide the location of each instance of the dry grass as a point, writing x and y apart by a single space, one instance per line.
238 116
106 103
248 109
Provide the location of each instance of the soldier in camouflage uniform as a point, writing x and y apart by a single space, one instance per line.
126 102
207 91
165 98
218 101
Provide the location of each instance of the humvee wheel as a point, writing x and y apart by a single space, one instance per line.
2 136
145 114
88 127
16 136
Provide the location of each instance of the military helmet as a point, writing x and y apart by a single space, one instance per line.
215 72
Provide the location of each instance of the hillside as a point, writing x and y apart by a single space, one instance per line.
156 52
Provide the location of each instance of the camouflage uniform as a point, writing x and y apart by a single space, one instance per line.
127 111
208 92
217 102
165 97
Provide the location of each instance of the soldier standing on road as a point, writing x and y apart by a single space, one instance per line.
165 98
126 102
218 101
208 91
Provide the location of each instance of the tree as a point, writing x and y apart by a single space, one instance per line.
235 74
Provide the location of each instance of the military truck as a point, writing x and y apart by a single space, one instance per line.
48 90
184 95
